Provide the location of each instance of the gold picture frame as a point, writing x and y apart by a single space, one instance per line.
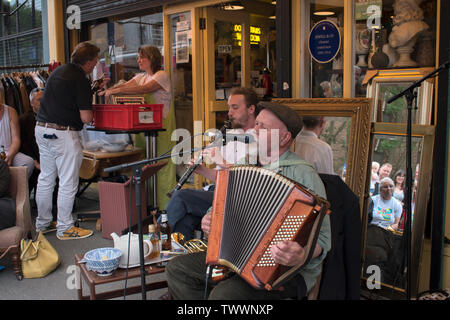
384 84
422 155
357 111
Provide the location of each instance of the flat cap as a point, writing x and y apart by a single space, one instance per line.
288 116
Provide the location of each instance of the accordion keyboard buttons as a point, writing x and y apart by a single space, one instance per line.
287 231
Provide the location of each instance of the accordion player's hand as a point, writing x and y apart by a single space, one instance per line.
206 223
287 253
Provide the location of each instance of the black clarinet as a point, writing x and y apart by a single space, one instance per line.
191 169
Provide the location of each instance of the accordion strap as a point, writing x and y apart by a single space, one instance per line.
310 246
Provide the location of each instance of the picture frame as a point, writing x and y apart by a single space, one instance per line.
384 84
422 155
356 112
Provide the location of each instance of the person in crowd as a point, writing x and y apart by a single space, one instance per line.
10 139
310 148
186 274
154 84
187 207
385 171
387 210
382 241
27 123
65 107
399 181
374 177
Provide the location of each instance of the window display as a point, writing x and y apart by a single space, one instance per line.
393 34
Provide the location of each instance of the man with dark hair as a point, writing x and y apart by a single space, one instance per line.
310 148
186 274
187 207
65 107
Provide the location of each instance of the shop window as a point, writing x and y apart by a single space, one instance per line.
119 41
326 66
393 34
16 48
229 46
228 52
262 55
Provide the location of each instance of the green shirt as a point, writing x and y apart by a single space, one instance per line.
293 167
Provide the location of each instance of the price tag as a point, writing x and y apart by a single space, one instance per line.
146 117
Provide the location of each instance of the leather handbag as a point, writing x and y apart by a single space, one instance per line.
38 257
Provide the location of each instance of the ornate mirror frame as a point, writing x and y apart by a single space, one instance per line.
426 132
359 111
376 79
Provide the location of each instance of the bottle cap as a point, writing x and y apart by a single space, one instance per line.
151 228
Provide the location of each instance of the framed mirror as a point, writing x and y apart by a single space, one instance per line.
384 84
384 243
347 131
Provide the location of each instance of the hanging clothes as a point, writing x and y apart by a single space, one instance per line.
2 93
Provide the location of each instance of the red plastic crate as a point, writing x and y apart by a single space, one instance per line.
128 116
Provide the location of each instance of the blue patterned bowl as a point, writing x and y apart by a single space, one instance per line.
103 261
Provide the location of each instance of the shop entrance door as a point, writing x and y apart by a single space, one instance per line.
210 51
227 60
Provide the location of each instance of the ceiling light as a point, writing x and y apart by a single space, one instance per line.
324 13
273 2
233 7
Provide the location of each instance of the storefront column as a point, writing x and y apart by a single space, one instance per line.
56 27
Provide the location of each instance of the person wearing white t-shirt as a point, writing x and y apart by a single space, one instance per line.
187 207
310 148
386 209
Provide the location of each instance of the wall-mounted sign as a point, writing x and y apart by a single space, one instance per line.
255 34
324 41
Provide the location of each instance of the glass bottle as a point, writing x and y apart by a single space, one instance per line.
164 231
154 238
2 153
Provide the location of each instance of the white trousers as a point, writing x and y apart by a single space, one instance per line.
60 157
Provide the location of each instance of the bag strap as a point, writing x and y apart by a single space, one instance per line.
27 247
7 250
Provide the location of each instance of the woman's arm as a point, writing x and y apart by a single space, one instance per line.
134 88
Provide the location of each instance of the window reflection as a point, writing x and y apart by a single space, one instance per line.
386 211
393 34
118 49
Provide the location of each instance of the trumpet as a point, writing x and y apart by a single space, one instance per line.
191 169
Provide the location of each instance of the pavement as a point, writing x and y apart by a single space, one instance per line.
60 284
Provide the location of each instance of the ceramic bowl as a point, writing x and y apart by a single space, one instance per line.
102 261
114 147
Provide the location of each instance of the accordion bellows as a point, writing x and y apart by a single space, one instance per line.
253 209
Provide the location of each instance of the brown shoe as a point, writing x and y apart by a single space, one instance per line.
75 233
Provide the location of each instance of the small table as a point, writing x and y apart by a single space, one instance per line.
95 161
93 280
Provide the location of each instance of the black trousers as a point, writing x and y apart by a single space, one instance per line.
186 276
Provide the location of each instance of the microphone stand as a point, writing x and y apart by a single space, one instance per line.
136 179
410 95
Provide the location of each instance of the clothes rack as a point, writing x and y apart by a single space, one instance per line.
29 66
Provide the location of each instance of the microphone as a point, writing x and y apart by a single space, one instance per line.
245 138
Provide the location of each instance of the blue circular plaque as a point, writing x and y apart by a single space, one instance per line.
324 41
